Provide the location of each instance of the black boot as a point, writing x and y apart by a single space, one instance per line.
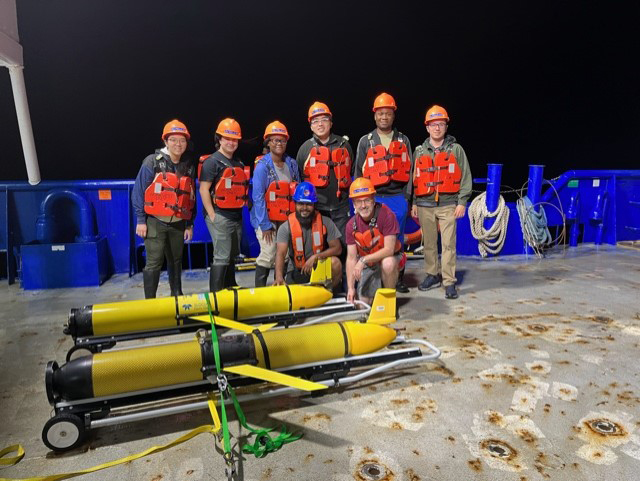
174 273
216 277
262 273
150 280
400 285
230 277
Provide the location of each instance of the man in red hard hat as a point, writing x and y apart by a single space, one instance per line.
441 188
384 157
163 199
373 249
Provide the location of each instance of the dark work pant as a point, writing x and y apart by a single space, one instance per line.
161 236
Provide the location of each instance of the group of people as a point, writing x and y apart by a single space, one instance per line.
300 207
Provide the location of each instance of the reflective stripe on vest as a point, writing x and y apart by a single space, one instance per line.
318 231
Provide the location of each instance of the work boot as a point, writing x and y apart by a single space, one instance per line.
230 277
450 292
262 273
175 280
150 280
217 277
429 282
400 285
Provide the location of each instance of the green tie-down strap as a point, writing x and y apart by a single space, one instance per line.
264 443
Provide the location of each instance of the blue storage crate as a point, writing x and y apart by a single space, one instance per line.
79 264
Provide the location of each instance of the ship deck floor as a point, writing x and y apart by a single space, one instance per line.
538 379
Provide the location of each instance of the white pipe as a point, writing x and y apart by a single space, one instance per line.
24 122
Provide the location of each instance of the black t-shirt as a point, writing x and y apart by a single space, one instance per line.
212 170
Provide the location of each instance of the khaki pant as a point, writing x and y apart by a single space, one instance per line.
430 218
267 256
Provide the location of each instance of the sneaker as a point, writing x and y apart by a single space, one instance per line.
450 292
429 282
400 287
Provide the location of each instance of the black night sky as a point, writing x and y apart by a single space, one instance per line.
554 83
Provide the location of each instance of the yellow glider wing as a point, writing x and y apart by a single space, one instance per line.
275 377
239 326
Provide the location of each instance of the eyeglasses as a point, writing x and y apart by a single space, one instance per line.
177 140
279 141
320 120
438 125
363 201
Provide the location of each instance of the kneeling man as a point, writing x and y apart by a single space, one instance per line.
309 237
373 249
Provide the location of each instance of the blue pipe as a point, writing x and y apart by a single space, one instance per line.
494 175
534 186
46 219
573 217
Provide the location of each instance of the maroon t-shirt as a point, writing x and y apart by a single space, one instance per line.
387 224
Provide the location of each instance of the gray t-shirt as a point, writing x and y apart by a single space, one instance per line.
283 173
284 236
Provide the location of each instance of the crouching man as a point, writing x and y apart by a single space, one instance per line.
309 237
373 249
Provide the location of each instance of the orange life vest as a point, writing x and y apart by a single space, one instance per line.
232 190
371 240
170 194
382 165
321 159
318 233
278 199
201 163
442 175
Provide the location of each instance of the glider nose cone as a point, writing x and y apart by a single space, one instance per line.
305 297
366 338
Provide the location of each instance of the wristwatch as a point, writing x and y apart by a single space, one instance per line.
362 260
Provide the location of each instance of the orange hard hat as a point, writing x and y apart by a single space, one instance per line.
229 128
384 100
436 113
318 108
175 127
276 128
361 187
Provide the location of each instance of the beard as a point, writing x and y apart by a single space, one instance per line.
305 222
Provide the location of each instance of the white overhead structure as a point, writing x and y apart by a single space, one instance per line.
11 57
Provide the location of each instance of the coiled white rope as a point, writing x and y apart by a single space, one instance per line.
490 241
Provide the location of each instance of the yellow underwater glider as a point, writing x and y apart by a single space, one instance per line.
84 391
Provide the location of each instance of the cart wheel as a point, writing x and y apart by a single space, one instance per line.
63 432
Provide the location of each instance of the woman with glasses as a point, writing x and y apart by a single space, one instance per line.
163 199
274 180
